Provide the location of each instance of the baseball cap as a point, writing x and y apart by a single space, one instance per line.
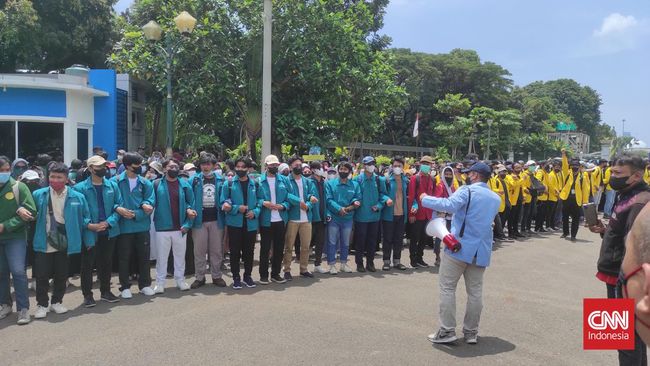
499 168
368 160
29 175
271 159
189 166
95 160
480 168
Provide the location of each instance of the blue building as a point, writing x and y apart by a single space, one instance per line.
64 115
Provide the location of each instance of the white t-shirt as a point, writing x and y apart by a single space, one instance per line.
132 183
301 195
275 214
58 206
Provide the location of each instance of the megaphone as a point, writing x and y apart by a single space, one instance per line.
438 228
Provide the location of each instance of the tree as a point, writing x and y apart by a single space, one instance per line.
459 128
18 46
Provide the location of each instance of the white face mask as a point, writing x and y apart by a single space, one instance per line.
397 171
370 169
433 173
331 176
218 172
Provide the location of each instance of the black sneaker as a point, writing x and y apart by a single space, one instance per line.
563 236
264 281
196 284
371 267
109 297
573 239
288 276
219 282
89 302
248 281
423 264
385 267
400 266
437 262
414 265
360 268
236 284
307 274
278 279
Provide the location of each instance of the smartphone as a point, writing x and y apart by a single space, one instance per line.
591 214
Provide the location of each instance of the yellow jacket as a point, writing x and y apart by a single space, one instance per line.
646 175
596 178
542 177
497 187
525 186
554 185
513 184
581 187
454 184
606 176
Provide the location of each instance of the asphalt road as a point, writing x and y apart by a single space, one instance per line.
532 315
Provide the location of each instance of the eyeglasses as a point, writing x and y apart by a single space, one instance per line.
621 289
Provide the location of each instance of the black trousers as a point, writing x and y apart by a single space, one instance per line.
497 231
393 235
550 214
365 241
318 240
542 207
242 244
636 357
418 241
48 265
504 216
571 210
102 256
126 245
272 239
513 220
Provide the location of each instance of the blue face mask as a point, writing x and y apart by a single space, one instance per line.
4 177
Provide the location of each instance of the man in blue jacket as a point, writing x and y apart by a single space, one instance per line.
139 199
343 197
208 230
173 218
301 199
105 204
273 219
61 229
242 200
473 207
366 218
394 215
318 214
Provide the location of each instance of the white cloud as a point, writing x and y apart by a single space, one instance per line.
616 24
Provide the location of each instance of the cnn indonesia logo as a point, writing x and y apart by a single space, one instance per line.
608 324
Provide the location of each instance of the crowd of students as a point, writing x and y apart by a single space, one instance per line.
145 208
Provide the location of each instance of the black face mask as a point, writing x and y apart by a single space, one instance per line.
135 169
273 170
575 170
101 172
344 175
619 183
172 173
241 173
307 175
449 181
548 169
297 170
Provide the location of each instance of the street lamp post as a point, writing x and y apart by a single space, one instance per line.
487 152
152 31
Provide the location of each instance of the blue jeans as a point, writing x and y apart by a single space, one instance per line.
338 232
609 202
12 260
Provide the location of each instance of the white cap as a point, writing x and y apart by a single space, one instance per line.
95 160
29 175
530 162
271 159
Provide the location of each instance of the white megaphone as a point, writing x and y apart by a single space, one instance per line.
437 228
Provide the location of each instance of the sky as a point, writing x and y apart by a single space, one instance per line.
604 44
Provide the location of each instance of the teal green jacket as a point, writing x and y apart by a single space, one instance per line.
294 198
282 191
387 213
133 200
316 207
373 195
162 217
77 217
196 181
112 200
340 195
232 193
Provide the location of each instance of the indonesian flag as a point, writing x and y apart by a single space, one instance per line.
415 126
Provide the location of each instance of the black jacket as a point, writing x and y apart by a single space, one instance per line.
627 207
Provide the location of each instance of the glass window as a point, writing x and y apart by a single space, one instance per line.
40 138
8 139
82 143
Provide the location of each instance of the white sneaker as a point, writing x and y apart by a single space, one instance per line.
159 289
182 285
5 310
320 269
58 308
147 291
345 268
41 312
333 270
126 294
